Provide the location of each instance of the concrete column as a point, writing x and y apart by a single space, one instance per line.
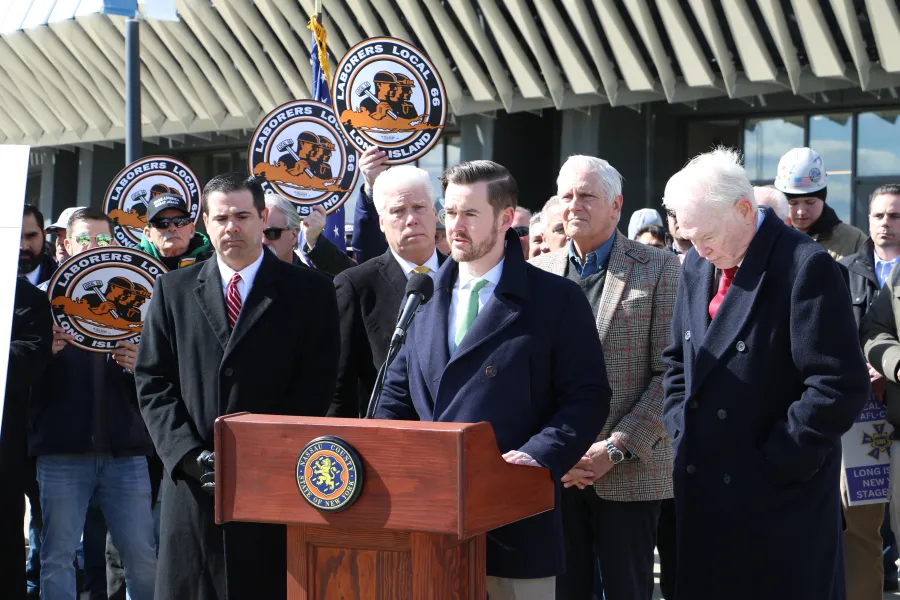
477 133
580 133
59 178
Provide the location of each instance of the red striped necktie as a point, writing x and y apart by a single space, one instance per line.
724 284
233 300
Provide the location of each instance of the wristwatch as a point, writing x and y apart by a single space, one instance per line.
615 455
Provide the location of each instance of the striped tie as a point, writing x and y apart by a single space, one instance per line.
233 300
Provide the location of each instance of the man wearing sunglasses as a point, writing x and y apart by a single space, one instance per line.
91 444
282 236
170 235
520 225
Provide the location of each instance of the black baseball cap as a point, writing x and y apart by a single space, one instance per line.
166 202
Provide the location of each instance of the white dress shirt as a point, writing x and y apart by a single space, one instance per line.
34 276
248 274
407 266
462 290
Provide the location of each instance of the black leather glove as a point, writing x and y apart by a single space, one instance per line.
201 465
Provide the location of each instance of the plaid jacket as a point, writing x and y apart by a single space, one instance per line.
633 322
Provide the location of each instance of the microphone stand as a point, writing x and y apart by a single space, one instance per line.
393 351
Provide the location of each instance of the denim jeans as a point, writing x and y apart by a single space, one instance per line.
121 488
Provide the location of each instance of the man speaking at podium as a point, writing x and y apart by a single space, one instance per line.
504 342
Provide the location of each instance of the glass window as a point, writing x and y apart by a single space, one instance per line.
832 137
765 141
879 144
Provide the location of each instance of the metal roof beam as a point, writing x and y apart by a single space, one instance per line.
823 54
581 18
776 22
758 65
694 66
250 91
643 21
476 81
515 56
579 75
712 31
849 24
470 22
297 52
284 79
631 65
236 98
884 17
529 30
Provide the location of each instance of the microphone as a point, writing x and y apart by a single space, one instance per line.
419 290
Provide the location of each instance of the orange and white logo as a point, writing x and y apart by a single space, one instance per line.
102 295
140 182
301 152
388 94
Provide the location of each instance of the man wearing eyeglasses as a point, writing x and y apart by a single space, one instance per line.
91 442
170 235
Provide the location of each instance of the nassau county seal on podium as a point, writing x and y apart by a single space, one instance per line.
101 296
388 94
301 152
138 183
329 474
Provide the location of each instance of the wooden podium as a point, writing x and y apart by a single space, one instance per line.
429 493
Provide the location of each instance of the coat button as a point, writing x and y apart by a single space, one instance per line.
726 479
722 413
228 372
491 371
691 469
741 346
687 335
693 404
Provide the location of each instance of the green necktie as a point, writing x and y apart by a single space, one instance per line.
471 311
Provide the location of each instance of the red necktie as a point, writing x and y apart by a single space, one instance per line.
233 300
724 284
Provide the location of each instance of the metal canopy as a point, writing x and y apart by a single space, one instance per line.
228 62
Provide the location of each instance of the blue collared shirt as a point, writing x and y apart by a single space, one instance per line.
594 261
883 268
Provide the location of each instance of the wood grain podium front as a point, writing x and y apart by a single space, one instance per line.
429 493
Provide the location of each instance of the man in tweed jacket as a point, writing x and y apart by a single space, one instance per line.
611 506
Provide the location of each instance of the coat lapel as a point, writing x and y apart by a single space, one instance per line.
739 303
211 299
431 322
392 273
261 296
617 272
502 310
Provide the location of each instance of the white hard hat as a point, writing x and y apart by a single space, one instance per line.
801 171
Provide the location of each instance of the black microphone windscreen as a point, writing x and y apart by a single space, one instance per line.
422 285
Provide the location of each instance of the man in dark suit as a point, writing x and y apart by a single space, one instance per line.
370 295
763 379
29 355
202 356
504 342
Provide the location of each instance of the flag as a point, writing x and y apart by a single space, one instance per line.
318 58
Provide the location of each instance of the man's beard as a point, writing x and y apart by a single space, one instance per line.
29 261
478 250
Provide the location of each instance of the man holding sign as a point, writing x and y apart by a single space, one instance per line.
90 442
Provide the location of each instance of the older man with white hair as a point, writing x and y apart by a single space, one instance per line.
370 295
769 196
763 379
614 493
